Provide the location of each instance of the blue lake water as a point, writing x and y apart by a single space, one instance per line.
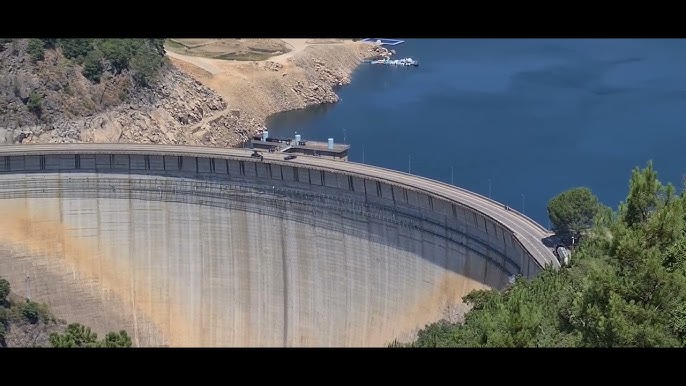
523 118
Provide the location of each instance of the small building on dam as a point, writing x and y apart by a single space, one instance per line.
297 146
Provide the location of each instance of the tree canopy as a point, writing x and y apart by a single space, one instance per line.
573 210
78 335
625 286
142 57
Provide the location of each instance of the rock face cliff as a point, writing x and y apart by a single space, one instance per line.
50 101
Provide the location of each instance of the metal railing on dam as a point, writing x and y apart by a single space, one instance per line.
391 187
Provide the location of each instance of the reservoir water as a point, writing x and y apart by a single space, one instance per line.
519 119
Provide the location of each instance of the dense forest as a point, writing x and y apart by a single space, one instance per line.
625 285
27 320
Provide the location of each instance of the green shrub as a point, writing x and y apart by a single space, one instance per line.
114 339
92 66
30 311
4 289
117 52
36 49
3 43
145 64
76 335
49 43
35 103
143 57
76 48
4 315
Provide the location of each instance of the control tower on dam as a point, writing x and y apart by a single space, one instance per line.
196 246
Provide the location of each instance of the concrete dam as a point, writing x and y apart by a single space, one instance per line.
196 246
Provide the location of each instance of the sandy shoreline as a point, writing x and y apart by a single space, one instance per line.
303 77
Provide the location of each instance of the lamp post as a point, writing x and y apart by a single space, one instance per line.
523 198
489 188
451 176
409 163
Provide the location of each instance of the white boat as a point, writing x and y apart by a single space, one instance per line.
397 62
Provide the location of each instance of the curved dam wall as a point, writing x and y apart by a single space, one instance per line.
230 251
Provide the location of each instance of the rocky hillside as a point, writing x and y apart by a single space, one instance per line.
49 100
25 323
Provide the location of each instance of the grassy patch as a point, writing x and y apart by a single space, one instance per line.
176 47
193 43
267 50
224 50
244 56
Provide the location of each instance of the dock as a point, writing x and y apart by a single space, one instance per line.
383 42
